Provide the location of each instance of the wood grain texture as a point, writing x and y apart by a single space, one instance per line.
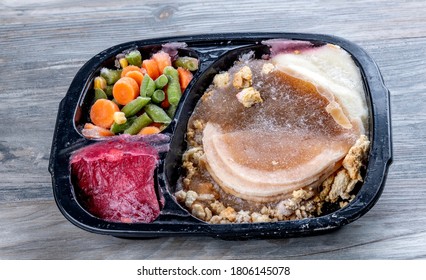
44 43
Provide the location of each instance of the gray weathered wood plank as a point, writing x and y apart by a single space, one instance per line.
39 231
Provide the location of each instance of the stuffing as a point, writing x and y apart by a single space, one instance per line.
249 96
243 217
180 196
229 214
198 211
243 78
355 157
217 207
260 218
221 80
267 68
191 196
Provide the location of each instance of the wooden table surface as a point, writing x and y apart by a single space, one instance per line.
44 43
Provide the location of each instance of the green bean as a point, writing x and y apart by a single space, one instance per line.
171 111
108 90
111 76
118 128
173 90
158 96
161 81
134 106
157 114
100 94
134 58
139 123
147 86
187 62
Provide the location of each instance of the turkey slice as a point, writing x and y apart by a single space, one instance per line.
266 166
336 77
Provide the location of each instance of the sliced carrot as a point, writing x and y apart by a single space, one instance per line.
129 68
151 68
125 90
185 77
135 75
162 59
149 130
102 112
93 131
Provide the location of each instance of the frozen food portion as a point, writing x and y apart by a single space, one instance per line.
269 136
114 179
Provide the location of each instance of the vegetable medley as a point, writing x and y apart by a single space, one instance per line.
140 96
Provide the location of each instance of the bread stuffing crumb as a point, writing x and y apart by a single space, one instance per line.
338 189
267 68
355 157
260 218
191 196
198 211
216 219
208 213
243 78
217 207
249 96
221 80
180 196
229 214
243 217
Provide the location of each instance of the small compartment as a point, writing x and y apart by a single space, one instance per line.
116 179
87 97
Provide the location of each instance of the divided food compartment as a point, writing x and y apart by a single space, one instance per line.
216 52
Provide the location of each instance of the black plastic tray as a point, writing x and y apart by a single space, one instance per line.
216 52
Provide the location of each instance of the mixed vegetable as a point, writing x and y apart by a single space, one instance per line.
139 96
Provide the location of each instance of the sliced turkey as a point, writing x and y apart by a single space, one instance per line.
269 167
